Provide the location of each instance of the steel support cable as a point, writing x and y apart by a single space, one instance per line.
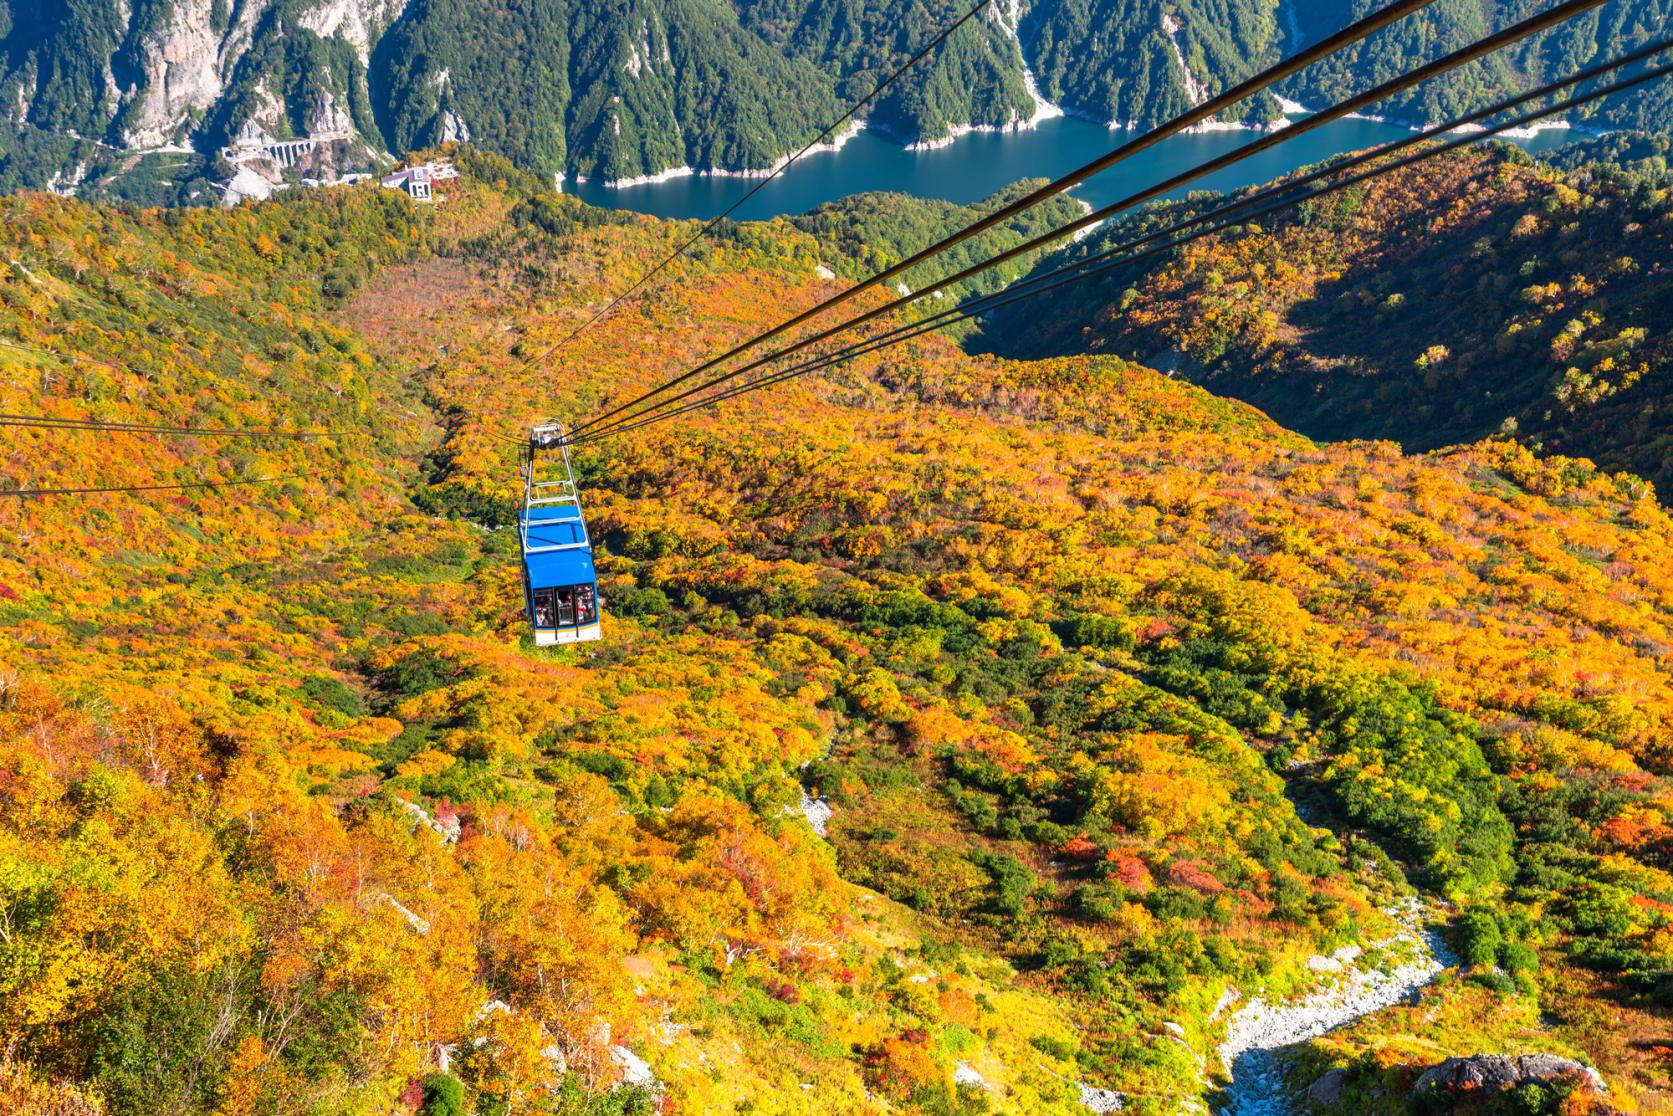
1016 292
36 351
49 422
783 166
1477 50
150 487
1060 277
1353 33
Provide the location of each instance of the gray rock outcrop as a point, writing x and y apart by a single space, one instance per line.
1328 1089
1493 1073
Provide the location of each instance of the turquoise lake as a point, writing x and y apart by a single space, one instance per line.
976 165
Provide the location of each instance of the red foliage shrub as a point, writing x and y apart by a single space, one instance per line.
782 991
1128 871
1194 874
1079 849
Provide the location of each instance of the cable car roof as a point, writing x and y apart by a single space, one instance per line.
555 546
560 567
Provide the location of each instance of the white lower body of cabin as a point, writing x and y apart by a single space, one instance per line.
546 637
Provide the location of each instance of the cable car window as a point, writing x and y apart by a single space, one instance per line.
585 612
544 615
566 608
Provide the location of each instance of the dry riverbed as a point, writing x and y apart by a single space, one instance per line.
1349 991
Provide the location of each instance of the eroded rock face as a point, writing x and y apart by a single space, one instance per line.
174 70
358 21
177 73
1492 1073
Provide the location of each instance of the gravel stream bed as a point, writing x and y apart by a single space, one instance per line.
1258 1029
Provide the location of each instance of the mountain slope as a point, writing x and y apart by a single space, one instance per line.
288 802
586 87
1140 62
1472 296
138 99
1611 30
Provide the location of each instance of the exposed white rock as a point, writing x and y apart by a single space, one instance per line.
965 1075
358 21
635 1070
178 74
835 143
816 810
1102 1100
447 829
1259 1028
1012 22
453 127
647 179
1193 88
246 185
418 923
66 184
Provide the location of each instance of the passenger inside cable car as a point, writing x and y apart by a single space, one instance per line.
565 606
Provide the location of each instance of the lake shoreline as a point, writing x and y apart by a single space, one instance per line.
978 163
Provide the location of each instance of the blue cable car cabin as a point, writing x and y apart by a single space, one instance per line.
560 587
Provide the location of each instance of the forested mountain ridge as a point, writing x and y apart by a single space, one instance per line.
137 99
1448 24
1477 295
582 87
291 813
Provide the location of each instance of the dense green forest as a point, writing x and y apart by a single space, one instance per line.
1446 25
870 232
581 87
1115 59
102 96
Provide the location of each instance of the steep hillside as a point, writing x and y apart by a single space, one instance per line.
1140 62
293 815
106 94
1477 295
1610 30
137 100
866 233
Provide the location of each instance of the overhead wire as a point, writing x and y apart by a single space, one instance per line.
50 422
1227 216
985 305
824 136
24 492
1463 56
1353 33
36 351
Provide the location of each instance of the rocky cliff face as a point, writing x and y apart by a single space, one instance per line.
620 89
583 87
177 73
360 22
1497 1073
135 75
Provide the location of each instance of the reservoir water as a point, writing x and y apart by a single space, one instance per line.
976 165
